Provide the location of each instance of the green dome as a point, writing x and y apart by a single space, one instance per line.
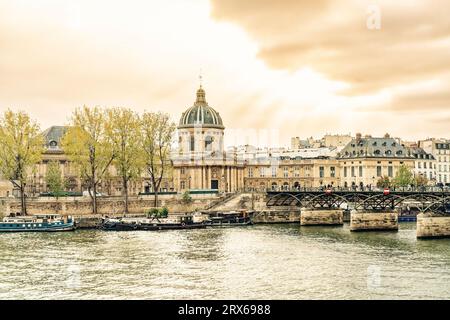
201 114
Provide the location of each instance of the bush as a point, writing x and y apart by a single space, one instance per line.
187 197
164 212
153 212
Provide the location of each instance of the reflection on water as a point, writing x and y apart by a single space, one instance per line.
258 262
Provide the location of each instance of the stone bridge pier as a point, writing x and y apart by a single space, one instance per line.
320 217
432 226
364 220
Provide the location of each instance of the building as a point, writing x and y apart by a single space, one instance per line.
200 163
440 149
365 160
424 165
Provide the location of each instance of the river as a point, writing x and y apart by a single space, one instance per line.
255 262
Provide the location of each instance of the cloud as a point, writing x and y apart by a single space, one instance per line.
332 37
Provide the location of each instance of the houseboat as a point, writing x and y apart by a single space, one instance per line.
37 223
151 224
229 219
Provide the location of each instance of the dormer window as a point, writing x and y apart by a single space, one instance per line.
53 144
388 152
399 152
377 152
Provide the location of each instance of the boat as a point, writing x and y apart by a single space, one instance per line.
37 223
229 219
151 224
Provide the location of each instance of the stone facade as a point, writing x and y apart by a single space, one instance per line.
321 217
432 227
373 221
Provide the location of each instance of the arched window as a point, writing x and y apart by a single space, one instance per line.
377 152
208 143
388 152
274 186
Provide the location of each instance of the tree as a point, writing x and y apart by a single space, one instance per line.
403 177
123 129
21 148
384 182
187 197
157 134
420 181
56 183
89 147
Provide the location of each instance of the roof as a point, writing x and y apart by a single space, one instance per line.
53 136
201 114
374 148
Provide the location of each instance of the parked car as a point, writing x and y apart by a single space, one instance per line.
86 194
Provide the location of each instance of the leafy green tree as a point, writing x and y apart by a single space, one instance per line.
403 177
54 179
21 148
157 136
124 130
89 147
384 182
187 197
420 181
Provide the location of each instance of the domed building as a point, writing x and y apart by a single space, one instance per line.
200 162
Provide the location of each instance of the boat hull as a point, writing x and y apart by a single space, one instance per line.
149 227
49 228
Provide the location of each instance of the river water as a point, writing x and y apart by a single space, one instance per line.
255 262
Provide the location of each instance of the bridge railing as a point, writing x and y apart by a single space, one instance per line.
361 189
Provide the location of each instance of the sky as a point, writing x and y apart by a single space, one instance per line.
272 69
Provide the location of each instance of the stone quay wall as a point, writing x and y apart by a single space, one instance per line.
82 206
281 215
373 221
321 217
432 227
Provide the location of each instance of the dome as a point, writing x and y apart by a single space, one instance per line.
200 114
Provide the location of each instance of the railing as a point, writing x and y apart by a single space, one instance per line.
361 189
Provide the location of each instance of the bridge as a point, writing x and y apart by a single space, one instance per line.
426 201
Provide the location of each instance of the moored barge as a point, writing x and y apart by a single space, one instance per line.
37 223
151 224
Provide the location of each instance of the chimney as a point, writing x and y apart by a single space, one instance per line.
358 137
387 136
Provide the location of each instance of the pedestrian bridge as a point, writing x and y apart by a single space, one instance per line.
437 202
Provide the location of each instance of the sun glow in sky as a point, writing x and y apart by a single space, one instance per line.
58 55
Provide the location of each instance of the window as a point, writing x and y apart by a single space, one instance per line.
296 172
182 170
274 171
345 172
353 171
250 172
192 144
321 172
208 143
390 171
332 172
262 172
182 185
378 171
286 172
360 171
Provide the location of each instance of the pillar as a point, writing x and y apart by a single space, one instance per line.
429 226
373 221
317 217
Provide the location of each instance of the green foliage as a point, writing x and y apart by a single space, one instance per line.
187 197
403 177
158 213
384 182
420 181
56 183
89 147
157 135
21 148
124 131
